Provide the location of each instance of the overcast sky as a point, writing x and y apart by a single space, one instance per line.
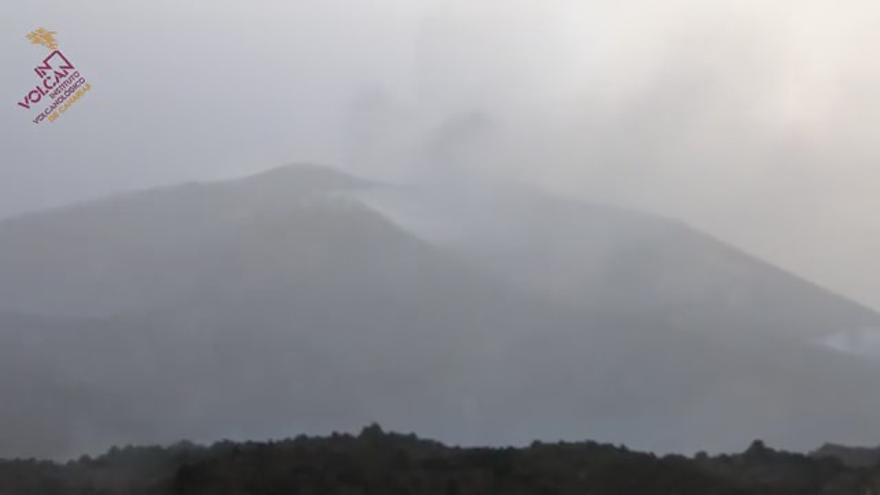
753 120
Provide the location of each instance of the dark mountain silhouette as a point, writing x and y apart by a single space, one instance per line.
391 463
857 457
302 299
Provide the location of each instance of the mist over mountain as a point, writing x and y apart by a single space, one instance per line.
305 300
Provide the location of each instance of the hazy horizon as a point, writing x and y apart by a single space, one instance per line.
749 120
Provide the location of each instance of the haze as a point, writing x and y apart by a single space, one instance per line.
754 121
519 219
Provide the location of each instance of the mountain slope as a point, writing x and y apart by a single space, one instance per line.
602 258
296 301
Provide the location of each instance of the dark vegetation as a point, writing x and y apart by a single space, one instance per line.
851 456
376 462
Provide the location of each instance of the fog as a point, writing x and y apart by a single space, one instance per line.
751 120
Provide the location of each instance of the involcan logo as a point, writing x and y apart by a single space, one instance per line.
60 82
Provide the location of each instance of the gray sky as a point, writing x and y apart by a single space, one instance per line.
754 121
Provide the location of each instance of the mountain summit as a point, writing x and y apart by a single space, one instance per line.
302 299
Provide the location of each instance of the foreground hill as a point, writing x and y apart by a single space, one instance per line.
305 299
376 462
851 456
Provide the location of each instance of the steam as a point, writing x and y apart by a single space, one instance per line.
753 121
